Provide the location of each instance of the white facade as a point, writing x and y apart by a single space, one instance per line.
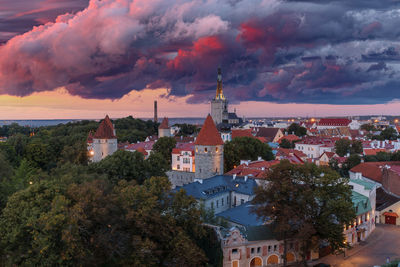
355 125
313 151
102 148
183 161
226 137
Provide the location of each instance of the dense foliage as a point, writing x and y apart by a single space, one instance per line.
245 148
58 210
308 203
296 129
345 146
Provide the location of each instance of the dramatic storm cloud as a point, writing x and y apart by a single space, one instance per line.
339 52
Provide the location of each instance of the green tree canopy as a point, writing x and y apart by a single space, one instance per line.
296 129
98 224
122 165
286 143
342 146
245 148
306 202
164 146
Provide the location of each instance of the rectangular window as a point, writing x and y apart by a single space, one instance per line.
222 202
258 249
178 166
217 203
252 250
234 251
242 201
269 248
275 247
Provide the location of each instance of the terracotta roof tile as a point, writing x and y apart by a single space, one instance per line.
241 133
289 137
105 130
90 138
209 135
373 151
334 122
164 124
372 170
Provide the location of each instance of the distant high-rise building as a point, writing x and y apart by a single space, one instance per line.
104 142
209 151
219 105
155 111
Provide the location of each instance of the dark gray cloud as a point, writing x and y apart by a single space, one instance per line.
339 52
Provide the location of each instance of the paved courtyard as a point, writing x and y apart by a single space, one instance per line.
384 242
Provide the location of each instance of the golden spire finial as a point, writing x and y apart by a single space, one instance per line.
219 94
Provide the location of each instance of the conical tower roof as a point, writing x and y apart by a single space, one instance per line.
105 130
209 135
164 124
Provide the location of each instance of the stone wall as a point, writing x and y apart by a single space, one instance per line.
209 161
103 148
179 178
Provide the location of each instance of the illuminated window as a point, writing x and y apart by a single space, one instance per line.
216 149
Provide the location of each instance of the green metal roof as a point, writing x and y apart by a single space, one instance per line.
360 202
367 185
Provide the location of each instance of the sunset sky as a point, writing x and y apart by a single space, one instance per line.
83 59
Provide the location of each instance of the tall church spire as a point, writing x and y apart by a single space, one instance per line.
219 94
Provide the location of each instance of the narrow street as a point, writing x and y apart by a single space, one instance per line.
384 242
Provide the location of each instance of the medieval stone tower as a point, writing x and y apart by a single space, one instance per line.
104 141
163 129
209 151
219 105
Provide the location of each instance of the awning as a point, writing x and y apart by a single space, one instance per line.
391 214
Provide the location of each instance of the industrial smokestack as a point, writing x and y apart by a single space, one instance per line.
155 111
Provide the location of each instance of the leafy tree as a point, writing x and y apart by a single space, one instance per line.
187 129
383 156
296 129
39 154
350 162
245 148
286 144
388 134
395 156
122 165
6 171
356 147
342 146
30 226
164 146
156 165
368 127
98 224
308 203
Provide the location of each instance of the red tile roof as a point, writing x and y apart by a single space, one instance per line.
183 147
241 133
289 137
209 135
89 139
373 151
372 170
142 150
334 122
164 124
105 130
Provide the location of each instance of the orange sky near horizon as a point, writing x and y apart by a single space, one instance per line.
59 104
